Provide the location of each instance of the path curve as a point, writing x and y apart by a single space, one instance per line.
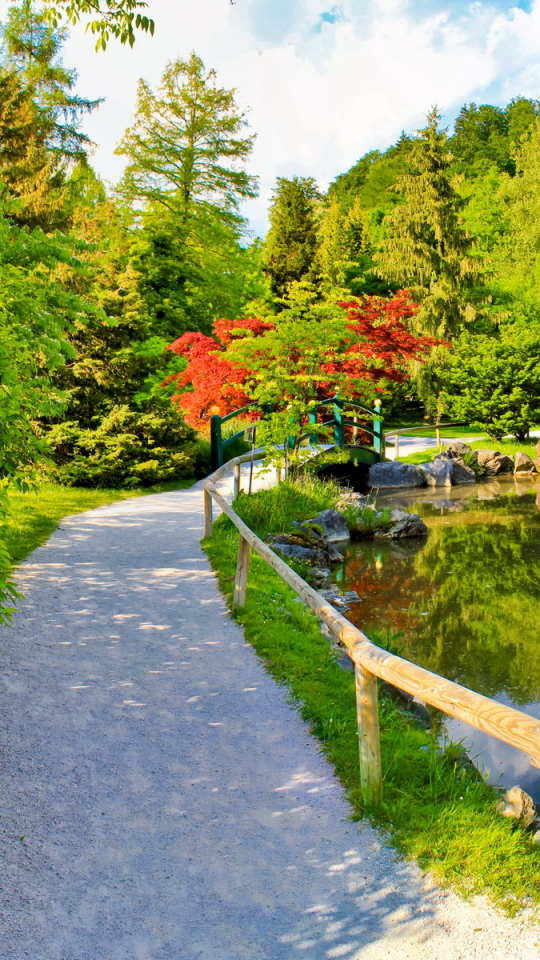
161 800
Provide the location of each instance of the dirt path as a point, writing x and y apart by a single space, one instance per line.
160 800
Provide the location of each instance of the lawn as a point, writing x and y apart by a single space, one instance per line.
509 446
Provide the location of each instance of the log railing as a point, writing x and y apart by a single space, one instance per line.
371 662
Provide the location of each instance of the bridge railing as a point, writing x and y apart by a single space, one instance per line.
371 662
339 421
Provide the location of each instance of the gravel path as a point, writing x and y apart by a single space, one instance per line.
159 798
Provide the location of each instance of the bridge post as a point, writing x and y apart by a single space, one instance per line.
313 437
216 443
339 429
378 439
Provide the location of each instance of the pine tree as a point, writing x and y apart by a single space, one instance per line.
291 243
39 117
425 247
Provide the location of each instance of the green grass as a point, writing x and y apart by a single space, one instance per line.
448 433
433 810
35 515
510 447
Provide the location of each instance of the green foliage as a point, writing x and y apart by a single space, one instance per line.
425 246
111 18
291 243
128 448
493 381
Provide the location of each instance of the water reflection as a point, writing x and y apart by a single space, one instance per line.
466 599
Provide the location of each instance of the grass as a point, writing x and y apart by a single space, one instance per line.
433 810
508 446
35 515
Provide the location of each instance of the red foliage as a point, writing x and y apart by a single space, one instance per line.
217 383
377 345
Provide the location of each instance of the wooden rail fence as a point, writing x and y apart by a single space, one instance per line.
371 662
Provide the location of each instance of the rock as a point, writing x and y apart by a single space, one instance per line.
457 449
438 473
295 551
351 596
518 805
320 573
499 464
523 463
352 499
461 473
344 661
333 526
402 525
536 462
395 474
484 455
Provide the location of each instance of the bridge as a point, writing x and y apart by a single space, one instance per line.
351 421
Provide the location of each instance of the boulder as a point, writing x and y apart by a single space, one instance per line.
333 526
296 552
402 524
537 464
461 473
500 464
538 449
395 474
351 499
437 473
518 805
523 463
457 449
484 455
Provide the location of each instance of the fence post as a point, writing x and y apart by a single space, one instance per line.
216 443
438 434
236 480
378 430
396 447
369 744
339 430
242 567
207 514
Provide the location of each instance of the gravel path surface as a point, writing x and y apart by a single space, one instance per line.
159 798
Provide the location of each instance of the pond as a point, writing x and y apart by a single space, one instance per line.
466 601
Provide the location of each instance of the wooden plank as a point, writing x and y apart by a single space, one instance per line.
369 740
242 567
507 724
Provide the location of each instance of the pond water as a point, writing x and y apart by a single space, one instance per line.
466 601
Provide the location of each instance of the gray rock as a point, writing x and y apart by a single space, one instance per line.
320 573
523 463
437 473
295 551
461 473
403 525
351 596
395 474
352 499
518 805
457 449
333 526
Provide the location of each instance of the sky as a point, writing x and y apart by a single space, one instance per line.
324 82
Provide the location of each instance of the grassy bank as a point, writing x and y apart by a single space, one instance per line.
35 515
433 809
509 447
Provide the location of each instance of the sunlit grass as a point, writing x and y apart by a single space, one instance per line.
508 446
433 810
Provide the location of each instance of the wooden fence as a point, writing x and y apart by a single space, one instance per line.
370 661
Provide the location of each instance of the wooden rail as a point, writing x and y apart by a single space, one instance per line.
425 426
370 661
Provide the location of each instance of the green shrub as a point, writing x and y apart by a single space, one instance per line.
128 448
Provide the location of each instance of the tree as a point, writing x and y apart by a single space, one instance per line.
493 381
425 245
39 118
291 242
185 147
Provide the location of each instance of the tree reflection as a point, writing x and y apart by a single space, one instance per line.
468 601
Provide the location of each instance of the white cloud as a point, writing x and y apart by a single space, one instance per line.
321 93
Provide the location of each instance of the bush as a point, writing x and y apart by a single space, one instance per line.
128 448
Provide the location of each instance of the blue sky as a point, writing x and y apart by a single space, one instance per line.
325 82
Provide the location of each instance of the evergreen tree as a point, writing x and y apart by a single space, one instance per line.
425 246
39 119
291 243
